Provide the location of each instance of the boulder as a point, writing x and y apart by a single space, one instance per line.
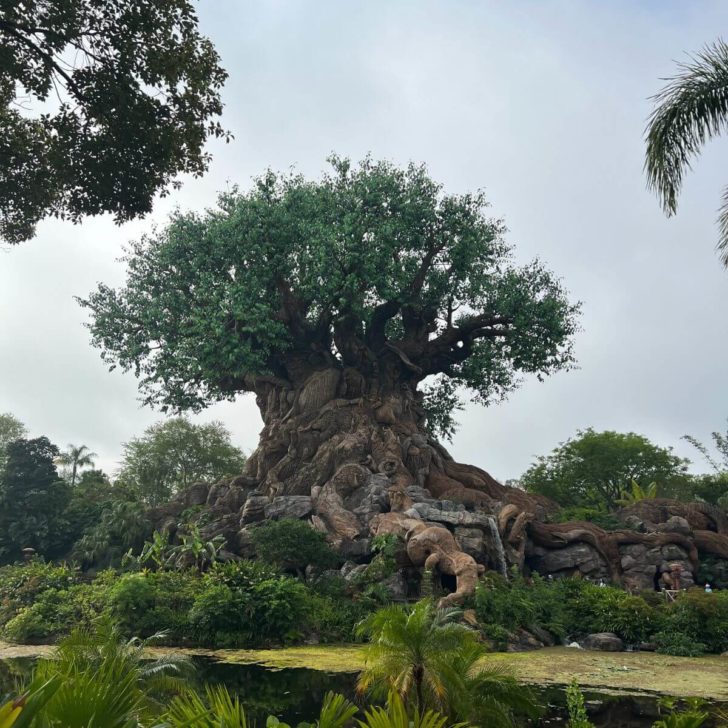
604 641
233 500
254 509
355 549
289 506
196 494
579 556
244 545
639 577
226 526
523 641
676 524
352 574
396 586
472 541
216 492
673 552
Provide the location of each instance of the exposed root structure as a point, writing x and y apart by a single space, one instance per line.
354 457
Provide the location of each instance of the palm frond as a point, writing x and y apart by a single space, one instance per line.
689 111
336 711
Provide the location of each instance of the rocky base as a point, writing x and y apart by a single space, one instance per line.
461 540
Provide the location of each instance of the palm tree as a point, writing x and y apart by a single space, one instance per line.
637 493
395 715
105 682
690 110
425 654
409 651
484 694
217 708
77 458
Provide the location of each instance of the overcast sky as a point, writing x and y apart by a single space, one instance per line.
543 104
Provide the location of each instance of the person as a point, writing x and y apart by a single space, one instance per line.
708 589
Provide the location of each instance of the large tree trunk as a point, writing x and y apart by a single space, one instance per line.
337 418
359 450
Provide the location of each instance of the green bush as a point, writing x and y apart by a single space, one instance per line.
504 606
145 603
679 644
594 608
245 605
56 611
22 584
292 545
599 517
700 618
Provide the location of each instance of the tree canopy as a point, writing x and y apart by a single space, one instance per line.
33 499
11 428
593 468
372 267
174 454
102 105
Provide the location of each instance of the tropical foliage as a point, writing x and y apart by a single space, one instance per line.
290 544
75 458
431 661
689 111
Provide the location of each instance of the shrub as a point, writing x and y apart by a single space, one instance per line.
599 517
504 606
146 603
679 644
292 545
698 618
56 612
22 585
592 608
244 605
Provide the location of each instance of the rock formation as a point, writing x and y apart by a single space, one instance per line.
354 459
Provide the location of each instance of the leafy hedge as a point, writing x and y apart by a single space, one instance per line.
250 604
242 604
694 623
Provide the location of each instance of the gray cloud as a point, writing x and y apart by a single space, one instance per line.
542 104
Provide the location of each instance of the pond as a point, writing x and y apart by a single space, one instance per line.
295 694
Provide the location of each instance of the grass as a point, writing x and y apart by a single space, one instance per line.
624 672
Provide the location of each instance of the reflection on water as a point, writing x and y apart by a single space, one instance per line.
295 694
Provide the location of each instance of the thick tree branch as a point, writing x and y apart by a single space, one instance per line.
419 280
384 312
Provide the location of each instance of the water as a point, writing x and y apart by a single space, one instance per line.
296 694
500 553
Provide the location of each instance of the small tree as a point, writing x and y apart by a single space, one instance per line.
11 428
75 458
290 544
593 468
174 454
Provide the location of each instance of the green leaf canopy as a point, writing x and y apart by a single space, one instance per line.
373 267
